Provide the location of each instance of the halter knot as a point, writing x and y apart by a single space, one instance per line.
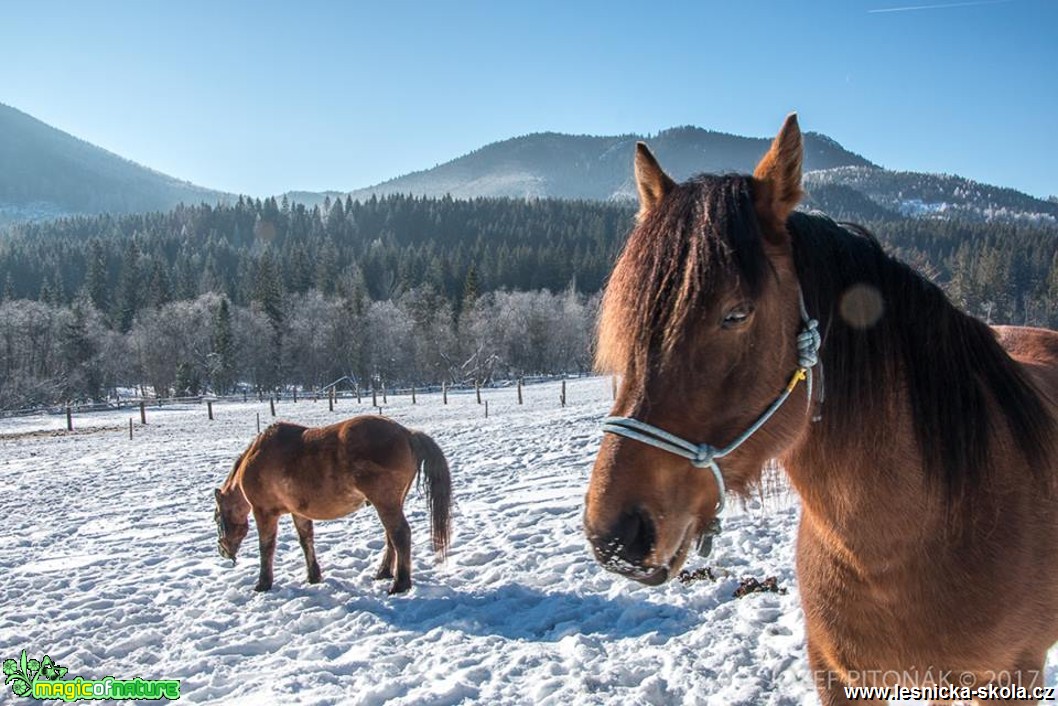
808 342
704 456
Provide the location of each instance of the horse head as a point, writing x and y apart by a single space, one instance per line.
231 514
703 320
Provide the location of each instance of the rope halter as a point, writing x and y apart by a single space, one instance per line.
705 455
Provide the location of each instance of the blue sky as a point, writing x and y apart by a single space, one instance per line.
266 97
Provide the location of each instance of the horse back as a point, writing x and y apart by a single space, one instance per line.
327 472
1037 350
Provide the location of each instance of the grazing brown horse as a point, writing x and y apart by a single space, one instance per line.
920 441
328 472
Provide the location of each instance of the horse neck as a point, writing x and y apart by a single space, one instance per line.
869 498
231 491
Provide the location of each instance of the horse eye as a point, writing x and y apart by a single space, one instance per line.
737 316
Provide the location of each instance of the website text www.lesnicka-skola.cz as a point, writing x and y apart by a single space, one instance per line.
948 692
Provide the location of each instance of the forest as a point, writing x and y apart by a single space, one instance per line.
264 294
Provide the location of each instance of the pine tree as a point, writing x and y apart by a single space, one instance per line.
187 381
95 283
470 287
129 298
222 358
78 351
268 292
335 218
159 291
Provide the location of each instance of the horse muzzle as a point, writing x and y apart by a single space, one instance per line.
224 552
627 546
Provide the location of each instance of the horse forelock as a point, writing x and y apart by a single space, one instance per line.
702 235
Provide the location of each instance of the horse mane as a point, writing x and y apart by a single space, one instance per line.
285 432
959 381
229 482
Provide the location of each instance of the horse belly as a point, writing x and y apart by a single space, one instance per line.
325 501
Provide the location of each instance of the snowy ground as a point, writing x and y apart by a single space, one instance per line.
108 564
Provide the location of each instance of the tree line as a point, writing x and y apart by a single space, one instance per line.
51 353
408 290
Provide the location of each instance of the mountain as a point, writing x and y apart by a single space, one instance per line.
45 172
837 180
920 195
599 168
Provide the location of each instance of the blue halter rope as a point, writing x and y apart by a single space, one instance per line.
704 455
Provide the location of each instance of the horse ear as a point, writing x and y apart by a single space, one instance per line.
780 172
651 180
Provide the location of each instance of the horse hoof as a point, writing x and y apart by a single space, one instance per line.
383 574
315 578
261 587
397 588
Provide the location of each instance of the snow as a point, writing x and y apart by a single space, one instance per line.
109 565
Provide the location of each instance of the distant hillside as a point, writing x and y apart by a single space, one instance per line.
45 173
838 181
918 195
599 168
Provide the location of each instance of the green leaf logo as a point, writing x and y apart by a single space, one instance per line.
20 674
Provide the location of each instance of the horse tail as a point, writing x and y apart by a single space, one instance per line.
438 487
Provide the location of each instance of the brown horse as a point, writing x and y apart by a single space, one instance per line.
920 441
328 472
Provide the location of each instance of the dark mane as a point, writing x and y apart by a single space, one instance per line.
665 276
950 363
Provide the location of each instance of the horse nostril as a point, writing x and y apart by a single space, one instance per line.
631 538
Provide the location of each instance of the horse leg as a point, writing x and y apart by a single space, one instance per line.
1028 673
829 684
398 535
385 570
306 539
267 526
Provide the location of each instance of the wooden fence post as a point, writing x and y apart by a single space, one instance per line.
143 412
444 392
563 393
486 409
477 390
374 396
413 394
130 428
209 409
384 399
69 419
519 390
330 400
272 404
258 422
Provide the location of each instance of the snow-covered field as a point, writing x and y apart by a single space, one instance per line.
109 565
